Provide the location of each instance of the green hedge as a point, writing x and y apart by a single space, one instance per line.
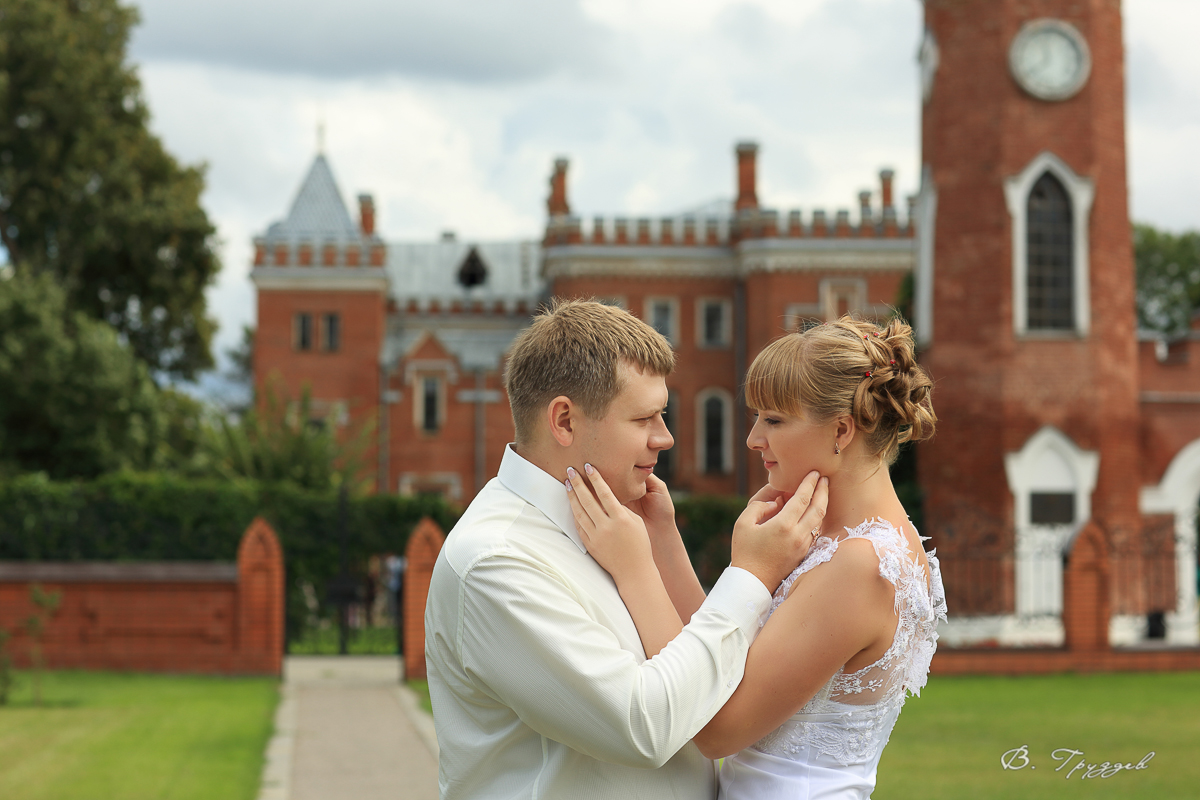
129 517
164 518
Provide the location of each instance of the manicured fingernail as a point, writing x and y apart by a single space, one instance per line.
571 472
825 482
567 483
588 469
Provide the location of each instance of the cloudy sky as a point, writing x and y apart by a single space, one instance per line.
451 112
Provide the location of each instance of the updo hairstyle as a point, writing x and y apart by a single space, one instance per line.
851 367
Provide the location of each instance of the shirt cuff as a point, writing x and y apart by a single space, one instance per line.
743 598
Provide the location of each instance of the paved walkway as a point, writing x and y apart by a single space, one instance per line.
347 727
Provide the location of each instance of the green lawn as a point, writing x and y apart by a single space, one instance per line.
949 742
114 736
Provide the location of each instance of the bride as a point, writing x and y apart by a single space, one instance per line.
851 631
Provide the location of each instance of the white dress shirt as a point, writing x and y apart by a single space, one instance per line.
539 683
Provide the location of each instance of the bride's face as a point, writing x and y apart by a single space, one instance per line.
791 447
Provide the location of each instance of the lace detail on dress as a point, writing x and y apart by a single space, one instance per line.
851 717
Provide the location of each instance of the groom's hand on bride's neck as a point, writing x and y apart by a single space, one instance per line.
773 534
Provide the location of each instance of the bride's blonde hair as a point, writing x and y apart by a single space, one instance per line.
849 367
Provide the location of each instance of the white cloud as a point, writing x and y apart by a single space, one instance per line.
463 40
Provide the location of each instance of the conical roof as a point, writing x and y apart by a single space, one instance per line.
318 210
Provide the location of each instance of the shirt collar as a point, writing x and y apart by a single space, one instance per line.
541 490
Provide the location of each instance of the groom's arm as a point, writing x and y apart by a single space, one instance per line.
527 641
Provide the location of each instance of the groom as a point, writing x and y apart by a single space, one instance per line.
540 685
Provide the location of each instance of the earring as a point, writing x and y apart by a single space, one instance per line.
837 451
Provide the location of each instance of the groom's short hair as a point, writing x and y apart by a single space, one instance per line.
575 348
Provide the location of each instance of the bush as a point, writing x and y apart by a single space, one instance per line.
137 517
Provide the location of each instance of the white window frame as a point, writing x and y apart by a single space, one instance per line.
314 339
1082 192
1036 467
833 288
648 304
926 224
451 483
418 391
726 336
795 313
323 343
726 399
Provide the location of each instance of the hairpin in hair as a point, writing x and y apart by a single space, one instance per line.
867 373
893 362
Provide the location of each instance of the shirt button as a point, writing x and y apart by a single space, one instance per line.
749 606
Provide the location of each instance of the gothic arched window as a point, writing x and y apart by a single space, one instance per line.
1050 252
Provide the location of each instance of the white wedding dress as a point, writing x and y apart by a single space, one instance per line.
829 750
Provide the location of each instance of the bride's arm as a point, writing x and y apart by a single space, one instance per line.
834 612
670 556
616 537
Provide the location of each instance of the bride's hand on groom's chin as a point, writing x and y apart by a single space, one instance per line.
614 535
656 509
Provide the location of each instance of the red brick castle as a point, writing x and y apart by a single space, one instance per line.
1055 410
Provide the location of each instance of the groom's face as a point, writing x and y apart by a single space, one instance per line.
624 444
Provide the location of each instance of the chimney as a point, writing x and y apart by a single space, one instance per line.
556 204
747 197
864 207
366 214
885 186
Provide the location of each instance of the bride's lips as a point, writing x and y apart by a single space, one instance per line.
648 469
770 464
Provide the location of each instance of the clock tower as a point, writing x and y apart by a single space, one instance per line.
1025 306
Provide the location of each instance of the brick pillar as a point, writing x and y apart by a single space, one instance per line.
1086 591
423 547
260 601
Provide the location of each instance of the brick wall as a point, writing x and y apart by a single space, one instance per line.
157 617
350 375
1169 382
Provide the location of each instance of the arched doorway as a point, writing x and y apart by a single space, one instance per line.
1178 495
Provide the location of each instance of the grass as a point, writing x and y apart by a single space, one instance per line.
118 736
323 641
421 690
948 743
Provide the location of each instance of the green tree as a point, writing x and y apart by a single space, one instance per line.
279 441
76 402
1168 278
88 194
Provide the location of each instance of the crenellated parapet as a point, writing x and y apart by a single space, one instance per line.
747 222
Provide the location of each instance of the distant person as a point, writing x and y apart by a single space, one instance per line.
852 629
540 683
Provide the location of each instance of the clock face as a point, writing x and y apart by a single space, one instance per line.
1050 59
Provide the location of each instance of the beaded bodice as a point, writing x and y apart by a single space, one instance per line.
851 717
